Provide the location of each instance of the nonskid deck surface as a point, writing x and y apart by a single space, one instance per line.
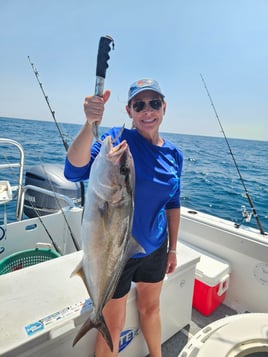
176 343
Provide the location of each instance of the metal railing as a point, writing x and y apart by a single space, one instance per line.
19 188
20 165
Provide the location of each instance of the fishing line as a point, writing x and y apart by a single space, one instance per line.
234 160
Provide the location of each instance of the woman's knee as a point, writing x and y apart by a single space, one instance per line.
148 308
148 300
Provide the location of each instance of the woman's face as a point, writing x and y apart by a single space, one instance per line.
147 116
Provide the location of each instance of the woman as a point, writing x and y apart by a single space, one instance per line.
158 166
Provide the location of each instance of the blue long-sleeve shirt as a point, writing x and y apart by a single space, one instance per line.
157 184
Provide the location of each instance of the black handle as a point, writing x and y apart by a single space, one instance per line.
102 62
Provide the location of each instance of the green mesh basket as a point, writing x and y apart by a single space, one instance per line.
25 259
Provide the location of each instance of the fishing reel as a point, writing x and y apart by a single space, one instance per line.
246 216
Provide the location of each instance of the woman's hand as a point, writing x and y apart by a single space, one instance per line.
171 262
94 107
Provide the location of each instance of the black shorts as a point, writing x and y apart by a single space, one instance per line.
150 269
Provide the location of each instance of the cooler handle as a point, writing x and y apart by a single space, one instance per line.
224 284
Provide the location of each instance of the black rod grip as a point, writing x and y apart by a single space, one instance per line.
103 55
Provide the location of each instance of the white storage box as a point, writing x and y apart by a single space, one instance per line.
41 309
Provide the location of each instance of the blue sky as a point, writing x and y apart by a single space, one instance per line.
172 41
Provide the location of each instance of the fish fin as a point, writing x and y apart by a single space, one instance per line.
78 270
119 134
134 247
100 325
88 325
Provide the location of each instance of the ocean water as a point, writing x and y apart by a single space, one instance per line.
210 181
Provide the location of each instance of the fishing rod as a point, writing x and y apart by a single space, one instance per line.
46 98
234 160
55 245
66 146
102 65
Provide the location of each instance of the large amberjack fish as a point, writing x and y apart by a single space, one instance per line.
107 242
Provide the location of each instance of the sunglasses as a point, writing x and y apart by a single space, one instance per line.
155 104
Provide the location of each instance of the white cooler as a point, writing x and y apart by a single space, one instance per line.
42 309
211 281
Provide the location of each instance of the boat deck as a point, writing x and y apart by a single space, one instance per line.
176 343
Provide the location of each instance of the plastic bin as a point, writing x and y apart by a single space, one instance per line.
26 258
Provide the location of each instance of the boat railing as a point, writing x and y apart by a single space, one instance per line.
17 187
19 164
57 195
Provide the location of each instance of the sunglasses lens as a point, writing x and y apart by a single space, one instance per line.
139 106
155 104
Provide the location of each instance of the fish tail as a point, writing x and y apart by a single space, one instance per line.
100 325
103 329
